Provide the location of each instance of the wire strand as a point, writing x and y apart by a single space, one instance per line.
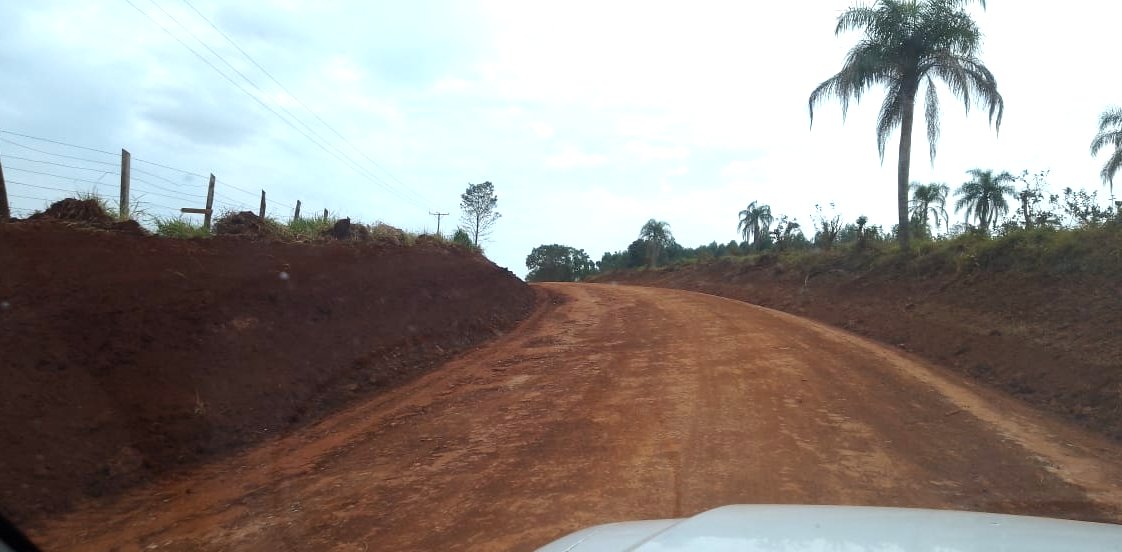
255 98
25 146
28 136
57 164
299 101
58 175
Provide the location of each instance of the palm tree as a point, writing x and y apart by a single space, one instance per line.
983 197
909 44
657 235
1110 134
755 220
930 199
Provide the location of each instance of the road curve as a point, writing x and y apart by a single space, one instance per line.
616 403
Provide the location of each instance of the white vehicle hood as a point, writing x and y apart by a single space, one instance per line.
845 529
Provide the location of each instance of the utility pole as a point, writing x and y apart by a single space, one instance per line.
438 215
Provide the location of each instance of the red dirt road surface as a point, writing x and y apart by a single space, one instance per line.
615 403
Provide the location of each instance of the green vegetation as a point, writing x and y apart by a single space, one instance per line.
657 237
461 237
909 44
558 263
179 227
310 228
478 206
983 197
755 220
930 201
1110 134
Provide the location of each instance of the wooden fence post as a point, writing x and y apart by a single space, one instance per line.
297 215
5 211
261 213
126 167
209 203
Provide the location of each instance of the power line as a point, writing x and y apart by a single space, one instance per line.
154 175
56 141
169 190
57 164
27 197
301 102
254 97
153 163
58 154
18 183
58 175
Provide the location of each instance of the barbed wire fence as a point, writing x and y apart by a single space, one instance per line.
38 171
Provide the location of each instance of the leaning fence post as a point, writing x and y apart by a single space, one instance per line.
5 211
296 216
126 164
261 213
209 203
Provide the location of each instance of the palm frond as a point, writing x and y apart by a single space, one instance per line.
1111 168
866 64
931 114
891 115
1110 118
967 77
857 17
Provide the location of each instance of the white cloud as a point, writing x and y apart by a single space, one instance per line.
680 111
542 130
648 152
570 157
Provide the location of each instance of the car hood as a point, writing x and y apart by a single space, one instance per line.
845 528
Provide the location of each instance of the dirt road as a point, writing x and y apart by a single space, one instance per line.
614 403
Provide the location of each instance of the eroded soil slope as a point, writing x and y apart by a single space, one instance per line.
1049 340
125 357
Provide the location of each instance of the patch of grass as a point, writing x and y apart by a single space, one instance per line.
309 228
179 228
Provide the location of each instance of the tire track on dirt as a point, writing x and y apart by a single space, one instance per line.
614 403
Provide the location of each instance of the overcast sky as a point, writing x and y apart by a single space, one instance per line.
589 117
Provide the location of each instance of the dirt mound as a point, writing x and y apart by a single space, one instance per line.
1049 340
388 234
245 224
126 357
78 210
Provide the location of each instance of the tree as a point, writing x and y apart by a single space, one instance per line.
983 197
557 263
754 223
785 231
909 44
827 226
930 199
1110 134
657 236
478 214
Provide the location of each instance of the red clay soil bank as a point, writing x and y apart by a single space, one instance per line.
1051 341
123 357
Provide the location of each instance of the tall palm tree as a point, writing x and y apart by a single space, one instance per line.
983 197
1110 134
755 220
657 235
909 44
928 200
